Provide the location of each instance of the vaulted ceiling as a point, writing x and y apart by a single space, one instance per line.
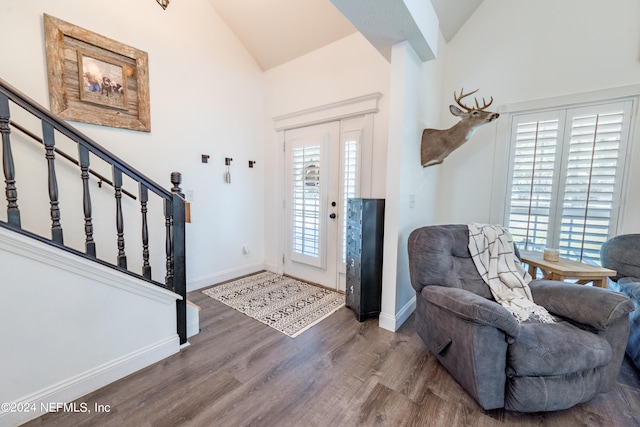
278 31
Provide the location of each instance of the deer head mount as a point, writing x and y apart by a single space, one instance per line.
439 143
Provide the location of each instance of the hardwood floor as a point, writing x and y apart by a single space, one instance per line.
239 372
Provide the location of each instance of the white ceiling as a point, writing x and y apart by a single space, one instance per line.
277 31
453 14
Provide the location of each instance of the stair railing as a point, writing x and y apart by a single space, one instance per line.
173 201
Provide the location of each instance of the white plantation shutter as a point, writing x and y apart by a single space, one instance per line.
305 197
533 181
566 178
597 145
351 181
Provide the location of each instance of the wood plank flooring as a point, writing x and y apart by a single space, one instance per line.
239 372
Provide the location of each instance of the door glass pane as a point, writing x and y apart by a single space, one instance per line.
306 201
350 184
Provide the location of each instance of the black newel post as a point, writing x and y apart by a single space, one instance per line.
179 259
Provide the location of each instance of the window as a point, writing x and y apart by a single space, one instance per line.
350 184
565 178
306 200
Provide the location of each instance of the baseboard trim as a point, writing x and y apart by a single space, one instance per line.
204 281
82 384
405 312
393 322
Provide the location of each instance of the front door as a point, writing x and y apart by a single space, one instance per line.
312 215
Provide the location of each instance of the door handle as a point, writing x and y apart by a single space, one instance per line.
332 216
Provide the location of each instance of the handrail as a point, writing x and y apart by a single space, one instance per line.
35 137
75 135
174 207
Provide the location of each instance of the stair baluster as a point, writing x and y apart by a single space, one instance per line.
13 213
49 143
144 198
168 216
89 243
117 185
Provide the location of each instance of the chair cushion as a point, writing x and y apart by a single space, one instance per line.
439 255
544 349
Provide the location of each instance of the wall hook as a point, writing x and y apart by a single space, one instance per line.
227 174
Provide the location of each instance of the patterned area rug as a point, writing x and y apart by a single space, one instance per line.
285 304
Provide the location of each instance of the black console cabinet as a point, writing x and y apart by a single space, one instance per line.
365 226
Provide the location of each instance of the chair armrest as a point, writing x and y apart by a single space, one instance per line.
471 307
589 305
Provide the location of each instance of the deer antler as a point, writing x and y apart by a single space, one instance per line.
464 95
485 105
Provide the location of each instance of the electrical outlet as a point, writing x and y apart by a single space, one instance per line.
189 195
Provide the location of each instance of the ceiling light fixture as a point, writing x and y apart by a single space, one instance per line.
163 3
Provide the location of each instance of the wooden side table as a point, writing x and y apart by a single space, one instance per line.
566 269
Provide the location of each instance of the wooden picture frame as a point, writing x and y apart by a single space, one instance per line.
93 79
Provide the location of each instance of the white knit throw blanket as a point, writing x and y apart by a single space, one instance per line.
491 248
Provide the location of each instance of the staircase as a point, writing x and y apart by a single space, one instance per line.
97 309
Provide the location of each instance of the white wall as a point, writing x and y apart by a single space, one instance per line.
520 51
69 326
206 98
345 69
411 189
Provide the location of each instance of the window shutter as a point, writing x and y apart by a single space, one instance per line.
566 177
533 177
593 164
350 183
306 200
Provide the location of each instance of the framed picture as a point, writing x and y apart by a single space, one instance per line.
93 79
102 81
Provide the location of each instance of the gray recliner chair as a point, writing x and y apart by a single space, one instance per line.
622 253
529 366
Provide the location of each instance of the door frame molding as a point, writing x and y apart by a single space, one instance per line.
333 112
